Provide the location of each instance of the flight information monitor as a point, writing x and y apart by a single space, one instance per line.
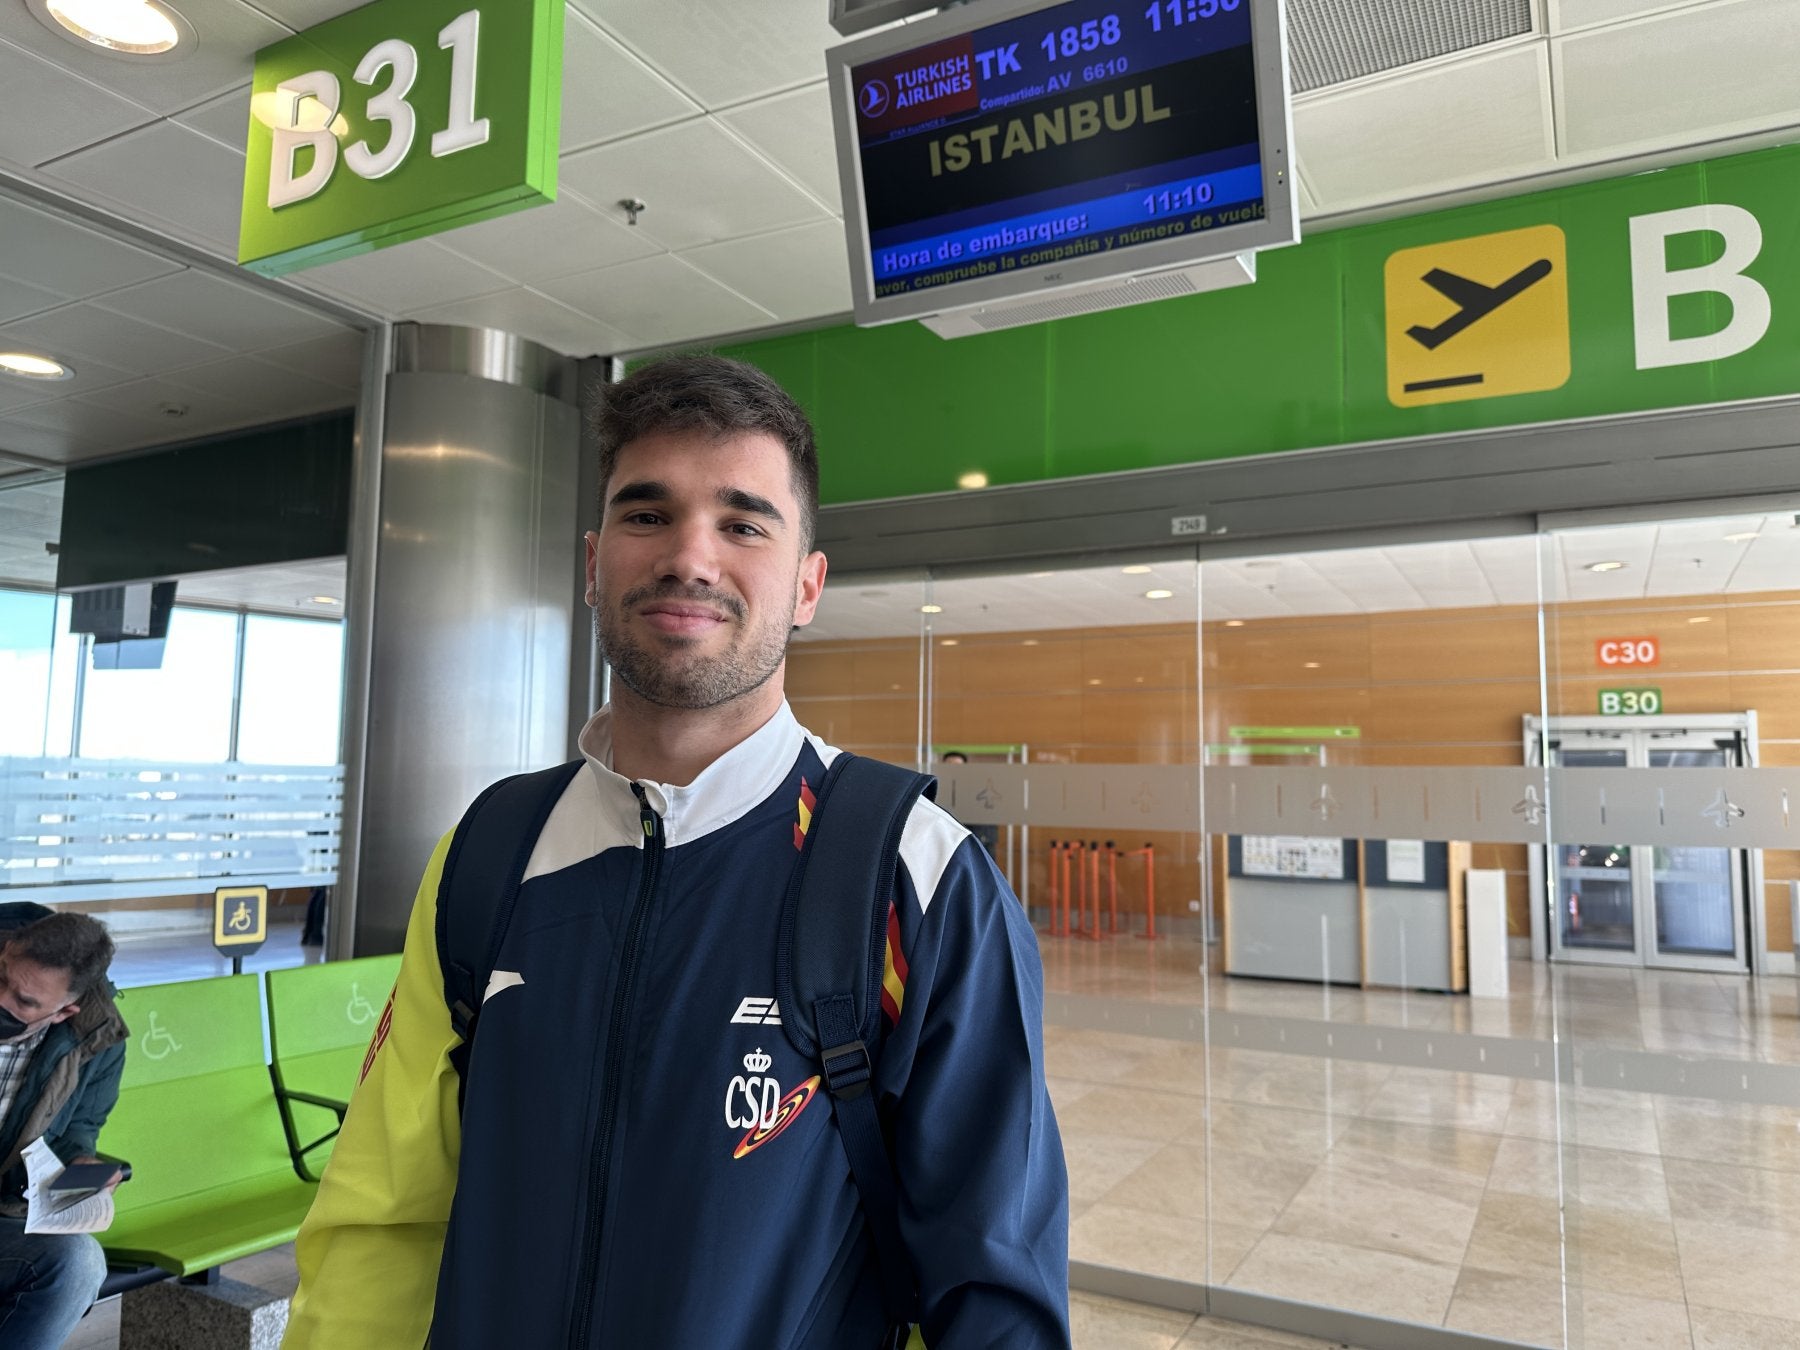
1007 147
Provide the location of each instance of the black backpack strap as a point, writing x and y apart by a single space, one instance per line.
828 979
479 887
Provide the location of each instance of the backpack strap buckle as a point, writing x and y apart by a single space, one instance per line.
848 1070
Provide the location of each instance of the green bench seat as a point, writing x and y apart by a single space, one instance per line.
321 1020
198 1116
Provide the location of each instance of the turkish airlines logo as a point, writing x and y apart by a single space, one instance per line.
873 99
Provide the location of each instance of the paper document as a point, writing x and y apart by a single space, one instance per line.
47 1213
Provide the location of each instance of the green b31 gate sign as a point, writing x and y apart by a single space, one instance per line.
399 120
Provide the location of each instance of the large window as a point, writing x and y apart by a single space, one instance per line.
180 711
291 691
27 623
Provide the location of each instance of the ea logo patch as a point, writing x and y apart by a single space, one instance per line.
1478 318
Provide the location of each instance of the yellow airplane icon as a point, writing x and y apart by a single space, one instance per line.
1509 336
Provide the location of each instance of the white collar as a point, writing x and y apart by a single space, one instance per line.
724 790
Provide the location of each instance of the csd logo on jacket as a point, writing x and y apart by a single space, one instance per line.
752 1101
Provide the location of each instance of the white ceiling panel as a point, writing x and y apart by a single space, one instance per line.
301 14
17 393
533 316
1567 14
661 301
185 181
87 332
274 391
795 274
233 314
75 261
84 113
89 376
156 402
609 93
285 588
225 118
228 34
794 131
1466 122
1678 77
723 51
392 281
335 359
542 243
699 184
72 429
18 299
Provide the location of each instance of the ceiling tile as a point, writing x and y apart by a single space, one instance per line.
84 113
795 274
393 281
723 51
234 314
17 299
90 375
542 243
700 184
1679 78
88 332
193 184
67 258
273 391
533 316
1469 121
229 34
1567 14
608 93
77 429
336 359
303 14
152 401
226 118
660 301
794 131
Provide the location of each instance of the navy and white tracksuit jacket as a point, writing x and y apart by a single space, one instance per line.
643 1160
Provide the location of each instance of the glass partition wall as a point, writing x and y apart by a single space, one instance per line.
1470 1004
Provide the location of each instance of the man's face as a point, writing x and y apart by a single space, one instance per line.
36 995
696 576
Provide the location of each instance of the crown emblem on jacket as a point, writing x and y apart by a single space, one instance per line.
757 1062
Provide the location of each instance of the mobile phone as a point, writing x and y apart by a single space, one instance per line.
82 1177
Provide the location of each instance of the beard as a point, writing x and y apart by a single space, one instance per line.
670 671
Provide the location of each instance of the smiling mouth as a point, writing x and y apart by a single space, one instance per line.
682 620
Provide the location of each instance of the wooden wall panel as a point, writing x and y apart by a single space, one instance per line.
1574 633
1500 644
1444 714
1765 637
1776 698
1279 655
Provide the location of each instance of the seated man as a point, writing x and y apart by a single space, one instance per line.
62 1047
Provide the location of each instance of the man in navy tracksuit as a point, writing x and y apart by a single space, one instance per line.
642 1159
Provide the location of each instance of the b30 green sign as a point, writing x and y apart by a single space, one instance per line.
1630 702
396 121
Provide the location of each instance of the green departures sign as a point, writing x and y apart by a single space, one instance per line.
397 121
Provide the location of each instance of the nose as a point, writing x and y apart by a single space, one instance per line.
690 554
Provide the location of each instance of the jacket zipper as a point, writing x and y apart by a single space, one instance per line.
615 1053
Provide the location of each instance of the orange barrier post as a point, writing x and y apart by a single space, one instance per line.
1112 887
1068 891
1094 889
1054 930
1078 923
1149 855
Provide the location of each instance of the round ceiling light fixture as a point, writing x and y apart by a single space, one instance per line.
126 28
323 600
1136 570
31 366
1159 594
1605 566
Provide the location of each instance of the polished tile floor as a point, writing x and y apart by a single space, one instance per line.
1549 1214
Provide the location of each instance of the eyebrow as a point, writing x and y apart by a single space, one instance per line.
736 499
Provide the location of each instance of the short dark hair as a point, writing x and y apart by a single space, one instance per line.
712 394
75 944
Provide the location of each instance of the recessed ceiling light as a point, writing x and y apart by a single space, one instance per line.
948 642
1605 566
931 609
1701 618
977 479
1029 642
1234 623
31 366
1135 570
1159 595
1035 575
1312 665
136 27
1743 536
324 600
1093 682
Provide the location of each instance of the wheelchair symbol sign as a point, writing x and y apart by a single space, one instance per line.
240 919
